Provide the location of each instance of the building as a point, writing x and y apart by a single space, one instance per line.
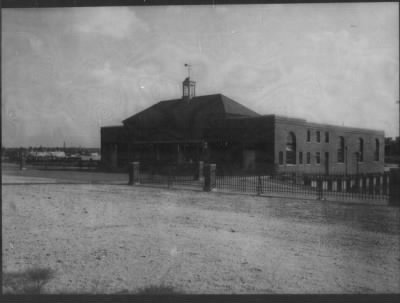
217 129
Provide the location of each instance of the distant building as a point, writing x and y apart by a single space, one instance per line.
217 129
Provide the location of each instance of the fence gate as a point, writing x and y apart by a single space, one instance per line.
168 175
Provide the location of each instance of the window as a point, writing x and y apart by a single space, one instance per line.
280 157
318 157
308 158
192 90
318 136
376 154
308 135
291 149
340 150
301 157
360 150
326 137
185 91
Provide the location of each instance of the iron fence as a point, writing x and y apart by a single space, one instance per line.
375 187
369 186
170 175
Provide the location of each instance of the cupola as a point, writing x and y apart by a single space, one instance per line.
188 86
188 89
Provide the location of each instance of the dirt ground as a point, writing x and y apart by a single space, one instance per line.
117 238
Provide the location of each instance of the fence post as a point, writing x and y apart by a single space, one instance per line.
209 177
394 189
134 168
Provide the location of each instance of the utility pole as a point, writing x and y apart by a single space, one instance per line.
398 102
397 139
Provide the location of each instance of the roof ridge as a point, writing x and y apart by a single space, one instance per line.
241 106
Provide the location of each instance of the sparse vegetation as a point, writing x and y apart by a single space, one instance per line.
30 281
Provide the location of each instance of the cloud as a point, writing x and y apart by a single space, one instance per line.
105 73
117 22
98 65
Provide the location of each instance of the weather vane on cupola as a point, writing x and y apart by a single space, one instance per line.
188 86
189 66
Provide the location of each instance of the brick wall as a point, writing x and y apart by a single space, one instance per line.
299 127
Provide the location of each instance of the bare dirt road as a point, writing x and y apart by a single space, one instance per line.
116 238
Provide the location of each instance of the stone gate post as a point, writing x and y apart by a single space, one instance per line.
134 170
209 177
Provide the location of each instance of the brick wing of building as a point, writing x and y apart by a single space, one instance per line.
217 129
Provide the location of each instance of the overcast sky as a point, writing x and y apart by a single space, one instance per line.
68 71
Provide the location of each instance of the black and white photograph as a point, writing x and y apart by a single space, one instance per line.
201 149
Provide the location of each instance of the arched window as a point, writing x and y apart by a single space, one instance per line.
360 150
376 154
291 149
340 150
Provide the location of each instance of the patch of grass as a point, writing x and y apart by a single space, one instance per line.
159 290
30 281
